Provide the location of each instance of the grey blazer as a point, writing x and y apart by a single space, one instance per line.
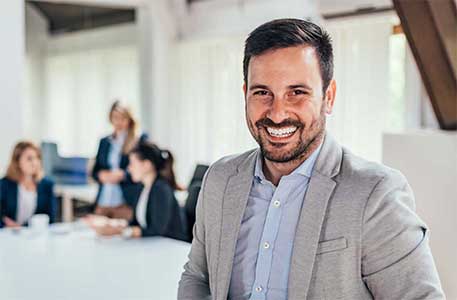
357 237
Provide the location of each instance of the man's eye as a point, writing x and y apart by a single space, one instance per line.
299 92
260 93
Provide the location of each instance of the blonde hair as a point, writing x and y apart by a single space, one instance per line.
125 111
14 171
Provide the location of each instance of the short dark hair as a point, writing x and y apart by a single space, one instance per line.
284 33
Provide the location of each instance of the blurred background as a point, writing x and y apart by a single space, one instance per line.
178 64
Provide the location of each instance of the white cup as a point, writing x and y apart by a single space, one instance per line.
39 222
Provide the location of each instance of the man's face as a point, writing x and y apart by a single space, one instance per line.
285 104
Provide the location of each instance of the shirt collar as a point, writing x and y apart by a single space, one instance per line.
304 169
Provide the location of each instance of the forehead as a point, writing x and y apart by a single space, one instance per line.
299 63
29 151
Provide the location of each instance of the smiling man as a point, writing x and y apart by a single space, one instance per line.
302 217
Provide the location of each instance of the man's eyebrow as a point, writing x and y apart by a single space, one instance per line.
258 86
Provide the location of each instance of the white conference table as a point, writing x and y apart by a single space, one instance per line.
72 263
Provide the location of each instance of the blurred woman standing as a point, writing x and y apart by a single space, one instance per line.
110 170
24 191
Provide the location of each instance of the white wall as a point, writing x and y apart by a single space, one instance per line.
428 159
36 44
12 75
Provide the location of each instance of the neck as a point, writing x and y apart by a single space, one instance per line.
149 178
274 171
27 180
119 132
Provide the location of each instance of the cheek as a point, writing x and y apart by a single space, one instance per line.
255 110
134 170
307 113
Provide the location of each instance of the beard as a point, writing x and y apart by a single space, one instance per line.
287 152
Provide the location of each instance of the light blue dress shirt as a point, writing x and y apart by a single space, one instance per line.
111 194
265 241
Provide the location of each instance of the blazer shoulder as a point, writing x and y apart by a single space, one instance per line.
231 162
5 182
359 170
162 185
105 139
46 182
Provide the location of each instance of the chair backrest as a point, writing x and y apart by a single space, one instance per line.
199 173
191 204
49 157
63 170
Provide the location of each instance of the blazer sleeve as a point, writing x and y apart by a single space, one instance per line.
194 283
160 211
396 259
98 163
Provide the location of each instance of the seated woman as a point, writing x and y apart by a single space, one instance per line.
156 212
24 191
110 169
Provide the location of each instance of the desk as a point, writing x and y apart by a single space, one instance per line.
79 265
86 193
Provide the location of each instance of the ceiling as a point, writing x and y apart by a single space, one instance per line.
69 17
64 17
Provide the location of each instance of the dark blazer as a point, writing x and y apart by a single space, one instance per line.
46 201
102 163
163 214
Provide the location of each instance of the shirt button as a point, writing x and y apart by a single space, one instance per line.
266 245
258 289
277 203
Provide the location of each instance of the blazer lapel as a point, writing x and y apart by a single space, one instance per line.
312 216
234 203
307 235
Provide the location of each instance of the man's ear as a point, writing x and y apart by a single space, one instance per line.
244 89
330 95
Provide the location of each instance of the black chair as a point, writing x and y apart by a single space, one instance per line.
199 173
193 191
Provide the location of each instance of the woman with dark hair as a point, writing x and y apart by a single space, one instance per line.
156 211
110 169
24 191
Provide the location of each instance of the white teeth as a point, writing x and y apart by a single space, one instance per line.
281 132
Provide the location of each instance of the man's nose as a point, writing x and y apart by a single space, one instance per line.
278 111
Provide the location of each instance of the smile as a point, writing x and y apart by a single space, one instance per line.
281 132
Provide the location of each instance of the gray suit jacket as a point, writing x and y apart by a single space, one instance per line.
357 237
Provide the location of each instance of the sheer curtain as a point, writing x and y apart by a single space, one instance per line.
207 107
79 88
363 104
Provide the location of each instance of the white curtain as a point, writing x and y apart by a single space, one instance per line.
363 106
207 106
80 86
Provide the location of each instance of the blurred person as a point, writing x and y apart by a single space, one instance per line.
116 188
24 191
156 212
301 217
